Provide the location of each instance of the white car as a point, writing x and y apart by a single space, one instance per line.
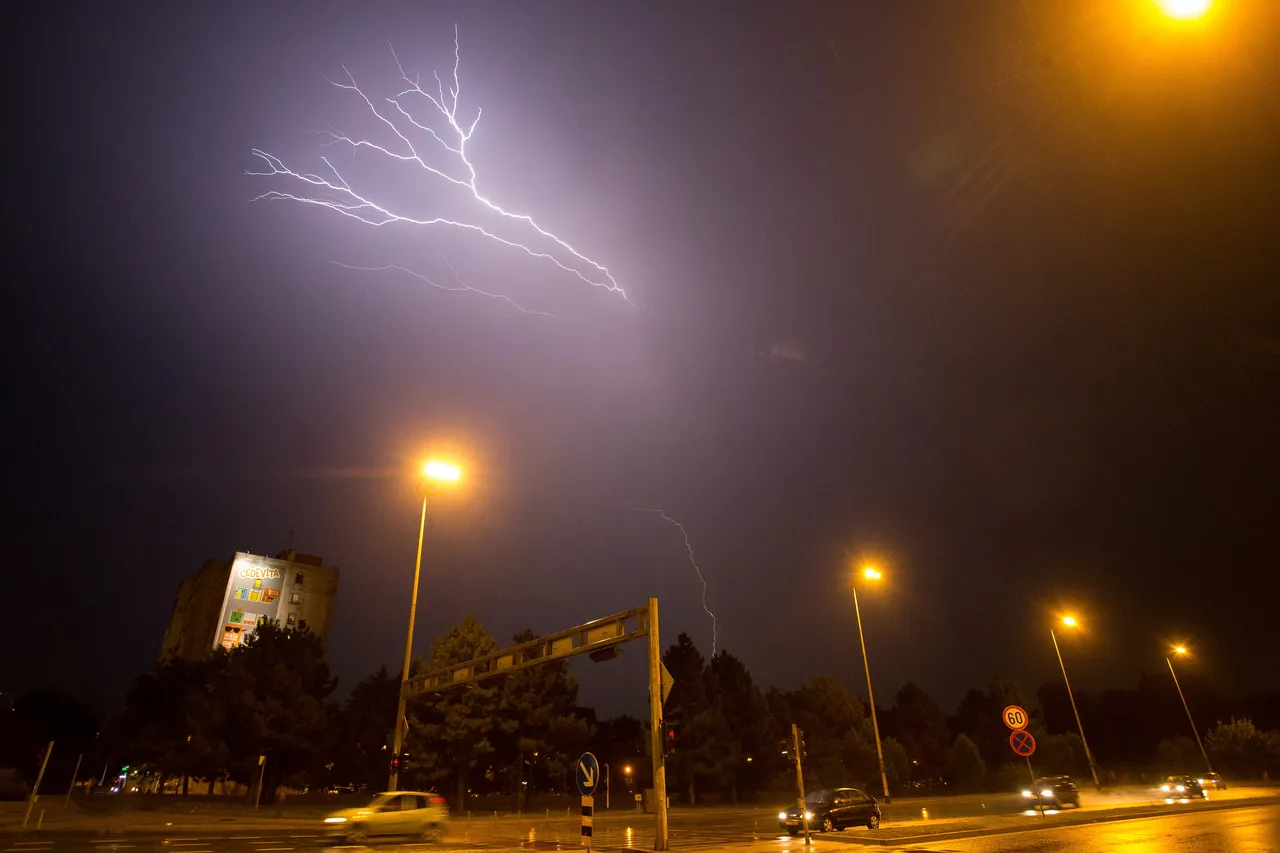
408 813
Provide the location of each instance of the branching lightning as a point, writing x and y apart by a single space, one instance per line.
461 286
332 191
693 562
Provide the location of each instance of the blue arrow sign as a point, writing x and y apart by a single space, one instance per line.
588 774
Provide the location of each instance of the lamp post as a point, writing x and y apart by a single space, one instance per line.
433 472
1179 651
871 573
1070 622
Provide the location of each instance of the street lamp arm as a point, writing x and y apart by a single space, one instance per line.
1093 769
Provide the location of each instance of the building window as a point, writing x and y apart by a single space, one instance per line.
298 579
295 598
291 621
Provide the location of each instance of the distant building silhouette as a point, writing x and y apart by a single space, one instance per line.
223 603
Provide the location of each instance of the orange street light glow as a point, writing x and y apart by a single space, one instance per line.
1069 621
442 471
627 770
1179 650
871 573
1184 10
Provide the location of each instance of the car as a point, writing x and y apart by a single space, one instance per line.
1212 780
416 814
832 809
1183 788
1052 792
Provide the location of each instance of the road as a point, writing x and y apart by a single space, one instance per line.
1245 830
909 825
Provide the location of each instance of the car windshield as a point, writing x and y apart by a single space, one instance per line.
379 801
818 798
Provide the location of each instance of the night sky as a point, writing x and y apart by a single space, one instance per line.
989 292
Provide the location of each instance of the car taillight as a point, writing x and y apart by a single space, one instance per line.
437 801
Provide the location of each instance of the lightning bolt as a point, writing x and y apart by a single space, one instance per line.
333 192
462 286
693 562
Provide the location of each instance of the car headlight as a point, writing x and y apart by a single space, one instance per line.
1027 794
808 815
782 815
1201 781
1181 788
1164 787
335 820
1046 793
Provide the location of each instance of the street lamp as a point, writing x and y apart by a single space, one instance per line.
871 574
1178 651
1070 622
1184 10
433 472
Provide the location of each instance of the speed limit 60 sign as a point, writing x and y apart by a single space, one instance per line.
1014 717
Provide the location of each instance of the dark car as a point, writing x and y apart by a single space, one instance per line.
1053 792
1183 788
832 809
1212 780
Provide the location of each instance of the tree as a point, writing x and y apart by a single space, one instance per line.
1239 749
687 713
921 726
539 722
1177 755
743 725
271 695
837 732
897 766
451 731
362 749
174 721
965 766
1061 755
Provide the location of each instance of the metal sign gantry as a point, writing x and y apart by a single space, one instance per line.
597 636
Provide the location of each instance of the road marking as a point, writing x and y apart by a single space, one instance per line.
268 849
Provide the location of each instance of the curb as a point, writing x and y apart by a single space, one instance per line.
1137 813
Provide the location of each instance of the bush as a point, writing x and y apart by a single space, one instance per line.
11 785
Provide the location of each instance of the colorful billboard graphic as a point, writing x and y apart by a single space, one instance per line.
253 595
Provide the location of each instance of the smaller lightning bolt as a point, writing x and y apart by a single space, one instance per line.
462 285
693 562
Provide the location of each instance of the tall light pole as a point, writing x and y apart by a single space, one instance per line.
1070 622
1178 651
433 472
871 573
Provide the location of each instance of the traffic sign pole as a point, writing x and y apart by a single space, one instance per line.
1036 788
588 818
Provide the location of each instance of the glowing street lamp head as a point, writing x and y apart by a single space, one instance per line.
627 770
437 470
1179 650
871 573
1070 621
1184 10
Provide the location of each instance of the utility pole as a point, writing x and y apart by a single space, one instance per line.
1190 719
397 742
71 787
795 740
655 728
1087 753
35 792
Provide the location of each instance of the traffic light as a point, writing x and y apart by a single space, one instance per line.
395 764
669 738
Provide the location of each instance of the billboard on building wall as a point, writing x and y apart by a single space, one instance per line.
253 594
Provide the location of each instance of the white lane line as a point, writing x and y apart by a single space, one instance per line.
270 849
243 837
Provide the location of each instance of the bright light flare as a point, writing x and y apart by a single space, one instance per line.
1070 622
1184 10
871 573
1180 650
437 470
